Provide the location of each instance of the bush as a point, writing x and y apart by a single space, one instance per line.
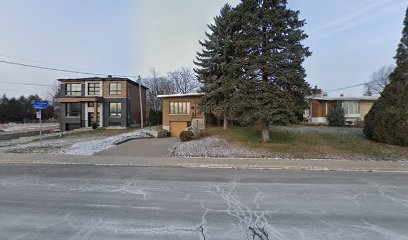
186 136
336 117
94 125
155 117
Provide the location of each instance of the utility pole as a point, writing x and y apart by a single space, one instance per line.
140 101
41 128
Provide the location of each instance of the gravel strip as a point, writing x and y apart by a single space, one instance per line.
216 147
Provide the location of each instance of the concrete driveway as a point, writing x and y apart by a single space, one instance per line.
148 147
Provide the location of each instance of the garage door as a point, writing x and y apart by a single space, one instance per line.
176 128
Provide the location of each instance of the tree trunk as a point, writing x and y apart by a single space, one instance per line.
265 132
225 121
218 120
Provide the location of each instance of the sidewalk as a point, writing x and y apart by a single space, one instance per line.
328 165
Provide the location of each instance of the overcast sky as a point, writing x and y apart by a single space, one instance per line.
349 39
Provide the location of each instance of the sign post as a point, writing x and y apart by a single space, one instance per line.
40 105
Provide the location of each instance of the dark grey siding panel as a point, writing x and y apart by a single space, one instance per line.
67 120
83 86
123 120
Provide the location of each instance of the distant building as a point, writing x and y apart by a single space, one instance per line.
103 101
355 108
180 111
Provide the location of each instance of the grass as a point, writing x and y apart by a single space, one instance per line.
313 142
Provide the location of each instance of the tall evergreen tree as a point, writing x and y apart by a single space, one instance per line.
269 53
387 120
213 65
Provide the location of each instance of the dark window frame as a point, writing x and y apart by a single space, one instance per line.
94 89
115 88
117 111
68 109
70 92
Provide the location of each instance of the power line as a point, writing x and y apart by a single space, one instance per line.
63 70
29 84
343 88
40 62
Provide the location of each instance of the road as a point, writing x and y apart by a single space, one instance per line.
102 202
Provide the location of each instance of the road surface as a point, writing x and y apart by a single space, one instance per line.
101 202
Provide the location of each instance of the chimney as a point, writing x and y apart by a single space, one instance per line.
316 92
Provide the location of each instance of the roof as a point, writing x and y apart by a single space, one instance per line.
102 79
181 95
355 98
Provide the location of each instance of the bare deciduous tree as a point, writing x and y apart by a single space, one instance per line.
53 92
158 85
184 79
378 80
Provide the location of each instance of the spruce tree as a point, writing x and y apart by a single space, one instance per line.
269 53
213 65
387 120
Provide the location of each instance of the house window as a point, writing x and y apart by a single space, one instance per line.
115 88
93 88
180 108
91 104
350 107
73 89
72 109
115 109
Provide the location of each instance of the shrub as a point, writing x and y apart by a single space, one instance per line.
94 125
387 120
336 117
186 136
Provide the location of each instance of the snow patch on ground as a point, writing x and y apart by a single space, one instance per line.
13 127
99 145
218 148
74 146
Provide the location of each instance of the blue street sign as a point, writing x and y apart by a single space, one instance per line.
39 104
42 107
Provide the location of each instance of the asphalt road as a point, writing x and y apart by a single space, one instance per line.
89 202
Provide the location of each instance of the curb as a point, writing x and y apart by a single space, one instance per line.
206 165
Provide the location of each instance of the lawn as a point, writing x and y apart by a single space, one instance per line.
313 142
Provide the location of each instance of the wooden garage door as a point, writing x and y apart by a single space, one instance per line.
176 128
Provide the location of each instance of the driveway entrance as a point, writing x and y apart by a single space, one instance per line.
148 147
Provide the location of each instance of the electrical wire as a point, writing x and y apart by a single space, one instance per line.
28 84
63 70
343 88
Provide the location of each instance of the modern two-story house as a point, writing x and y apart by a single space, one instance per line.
102 101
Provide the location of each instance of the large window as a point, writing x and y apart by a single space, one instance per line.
73 89
93 89
180 108
115 88
72 109
115 109
350 107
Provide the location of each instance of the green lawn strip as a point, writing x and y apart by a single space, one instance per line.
320 144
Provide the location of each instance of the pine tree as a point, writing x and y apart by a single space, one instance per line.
387 120
213 65
269 54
